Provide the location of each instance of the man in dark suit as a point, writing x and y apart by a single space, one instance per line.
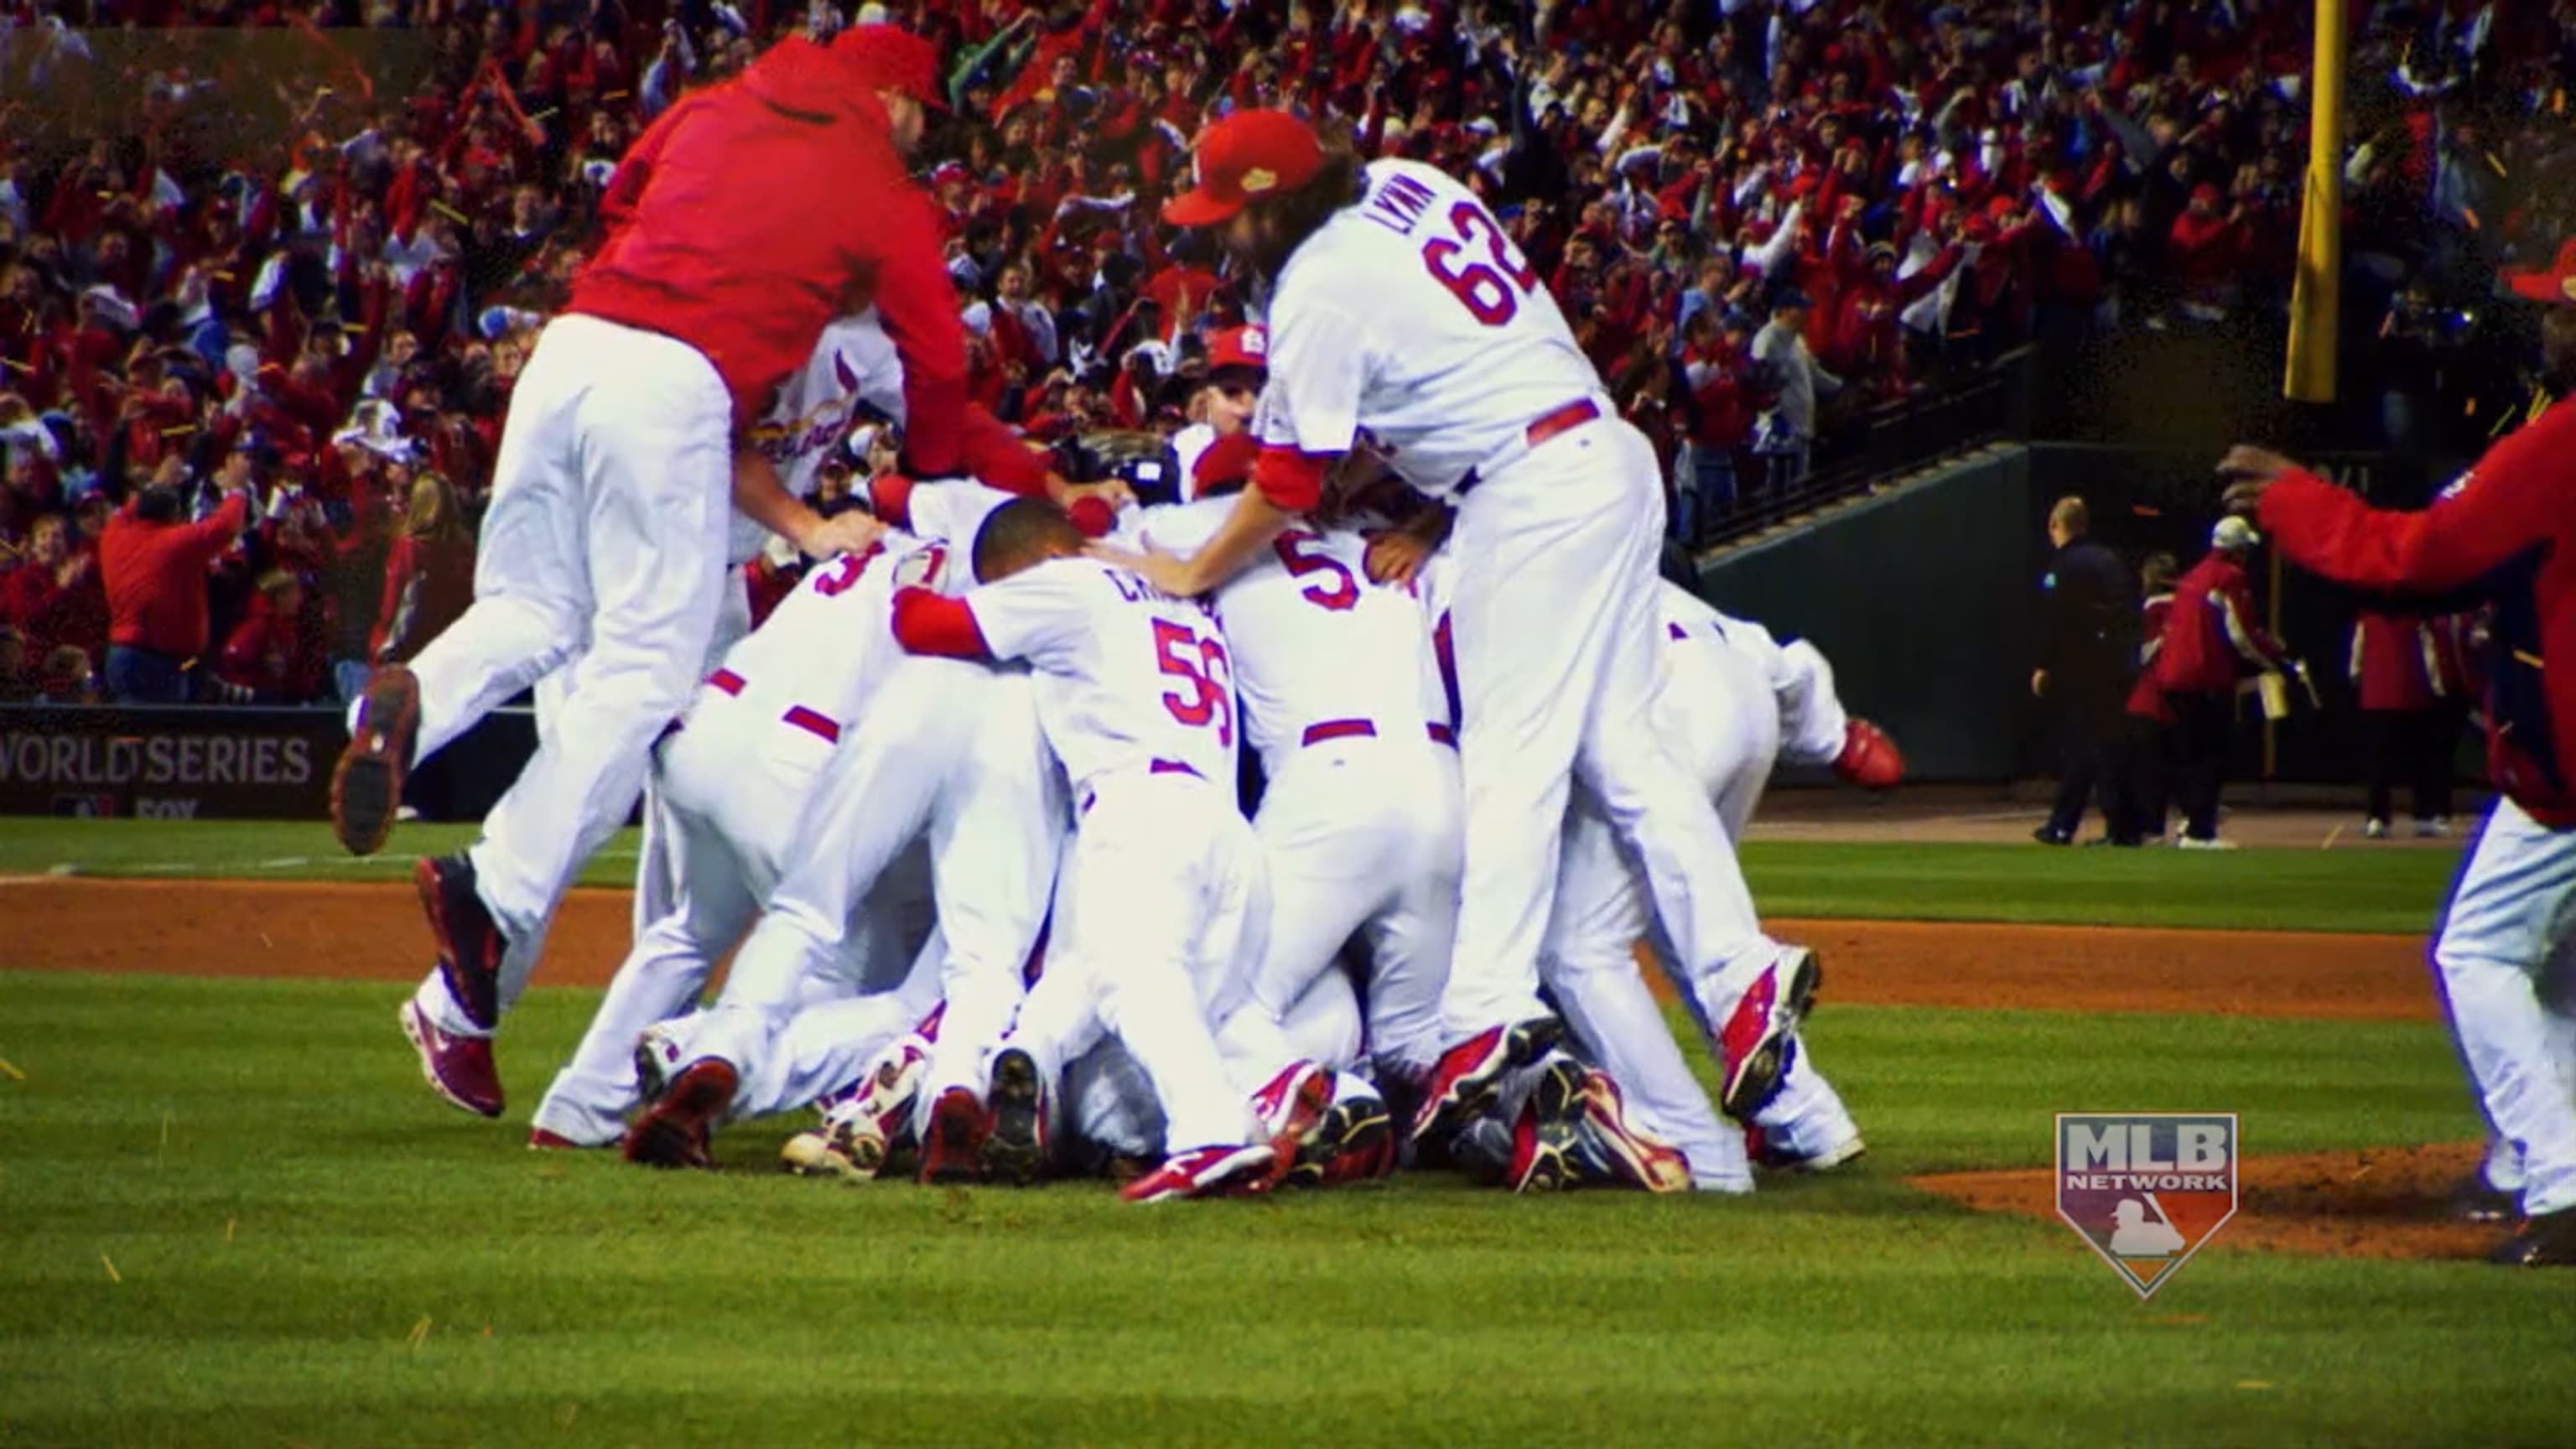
2088 610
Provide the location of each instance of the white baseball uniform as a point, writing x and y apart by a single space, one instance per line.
1737 701
1165 901
1411 319
734 779
1108 1102
588 587
1361 818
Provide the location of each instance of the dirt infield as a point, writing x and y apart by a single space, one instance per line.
374 933
2383 1202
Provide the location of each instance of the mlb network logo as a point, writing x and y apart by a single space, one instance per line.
2146 1189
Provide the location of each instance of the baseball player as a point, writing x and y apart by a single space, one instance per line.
1165 902
1402 311
2507 532
1360 820
945 751
1222 406
604 546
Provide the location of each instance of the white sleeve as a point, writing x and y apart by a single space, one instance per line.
1038 613
952 511
1180 528
1318 364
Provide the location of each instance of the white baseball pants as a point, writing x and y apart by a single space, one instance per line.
1555 621
1109 1101
604 548
1363 836
2508 917
1165 908
949 754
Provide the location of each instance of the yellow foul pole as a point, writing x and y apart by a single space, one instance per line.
2310 375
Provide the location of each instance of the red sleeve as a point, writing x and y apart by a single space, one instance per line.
217 530
1290 479
919 310
2512 500
240 662
926 622
890 499
997 458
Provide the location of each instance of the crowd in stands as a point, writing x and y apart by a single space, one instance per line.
268 271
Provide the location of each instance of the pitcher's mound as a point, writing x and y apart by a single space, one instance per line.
2380 1202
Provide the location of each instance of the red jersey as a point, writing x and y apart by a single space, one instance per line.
2212 636
156 576
2146 698
2506 529
2393 664
749 215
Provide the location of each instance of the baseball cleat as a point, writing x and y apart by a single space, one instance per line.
1354 1141
2547 1241
864 1126
1869 758
1205 1172
459 1068
1291 1104
542 1140
1463 1081
674 1133
367 783
470 945
952 1150
1753 1046
657 1060
2475 1200
817 1154
1015 1150
1630 1153
1766 1153
1543 1139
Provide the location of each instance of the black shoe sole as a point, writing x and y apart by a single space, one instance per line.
1558 1104
1015 1152
458 921
367 783
1523 1042
1349 1128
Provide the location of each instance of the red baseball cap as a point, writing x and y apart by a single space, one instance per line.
2553 283
1239 347
1248 154
889 57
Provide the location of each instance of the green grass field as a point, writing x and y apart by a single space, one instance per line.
231 1215
2355 889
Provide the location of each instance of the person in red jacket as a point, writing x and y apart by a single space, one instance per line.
2397 679
2211 638
269 659
2150 736
154 567
429 573
54 595
740 223
2505 532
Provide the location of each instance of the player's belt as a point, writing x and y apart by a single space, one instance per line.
1323 731
812 722
1156 767
1549 425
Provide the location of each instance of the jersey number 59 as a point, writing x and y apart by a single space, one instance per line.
1492 292
1180 651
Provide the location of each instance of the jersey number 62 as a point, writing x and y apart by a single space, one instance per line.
1492 292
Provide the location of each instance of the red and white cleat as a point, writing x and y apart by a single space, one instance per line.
1463 1081
1205 1172
459 1068
1754 1044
